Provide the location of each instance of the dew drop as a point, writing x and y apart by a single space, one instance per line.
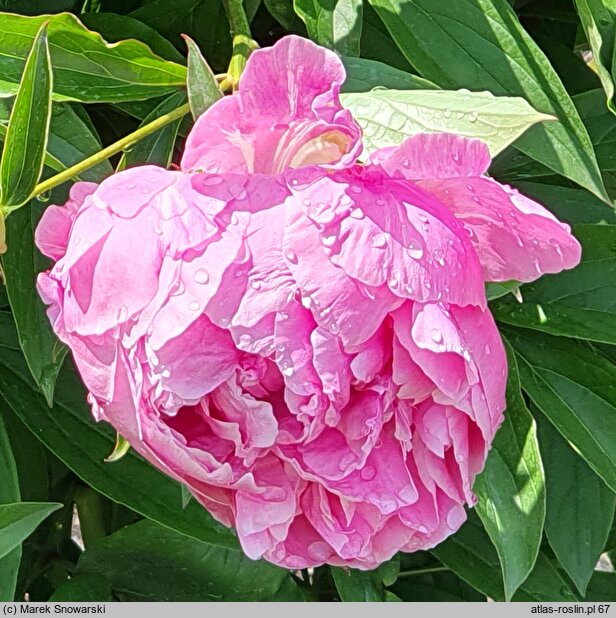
447 113
487 350
379 241
131 186
166 373
329 241
256 284
202 276
193 305
380 202
44 197
288 371
306 202
291 256
319 550
393 282
306 302
368 473
414 250
436 335
473 116
357 213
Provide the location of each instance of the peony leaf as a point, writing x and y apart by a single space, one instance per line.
336 24
580 507
577 303
481 44
203 89
575 388
18 520
184 569
598 19
26 136
471 556
156 148
363 75
511 488
9 492
389 116
86 68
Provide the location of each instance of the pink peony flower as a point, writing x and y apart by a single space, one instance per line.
299 338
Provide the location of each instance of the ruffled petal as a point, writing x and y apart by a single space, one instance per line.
515 237
286 114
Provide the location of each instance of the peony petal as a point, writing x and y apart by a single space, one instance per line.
515 237
286 113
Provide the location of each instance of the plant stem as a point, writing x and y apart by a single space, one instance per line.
243 43
424 571
105 153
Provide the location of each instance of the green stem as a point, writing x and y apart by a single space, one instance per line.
243 43
127 141
424 571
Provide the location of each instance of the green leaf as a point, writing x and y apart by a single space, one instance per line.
511 488
26 137
21 264
580 507
598 19
578 303
19 520
376 44
601 125
203 89
498 290
364 75
569 204
202 20
365 586
9 492
575 388
602 587
471 556
156 148
69 431
71 139
147 562
480 44
435 586
336 24
86 68
387 117
115 28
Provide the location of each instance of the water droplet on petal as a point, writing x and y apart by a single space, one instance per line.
193 305
288 371
329 241
357 213
256 284
473 116
166 373
131 186
379 241
414 250
291 256
380 202
436 335
368 473
487 350
202 276
306 302
306 202
319 550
